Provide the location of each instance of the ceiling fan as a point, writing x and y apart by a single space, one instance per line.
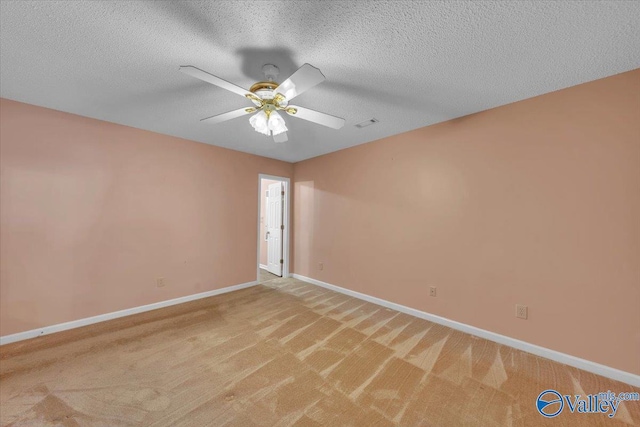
270 97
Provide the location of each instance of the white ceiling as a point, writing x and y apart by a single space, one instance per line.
408 64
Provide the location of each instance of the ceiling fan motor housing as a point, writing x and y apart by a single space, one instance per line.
264 90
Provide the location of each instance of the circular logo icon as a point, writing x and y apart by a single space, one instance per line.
549 403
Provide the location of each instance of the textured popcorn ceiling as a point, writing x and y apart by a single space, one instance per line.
408 64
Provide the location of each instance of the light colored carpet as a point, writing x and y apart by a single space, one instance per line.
279 354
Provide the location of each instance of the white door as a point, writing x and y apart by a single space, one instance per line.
274 228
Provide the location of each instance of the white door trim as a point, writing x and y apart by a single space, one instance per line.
272 220
285 221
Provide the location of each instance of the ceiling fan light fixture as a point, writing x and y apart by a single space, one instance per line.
259 122
276 123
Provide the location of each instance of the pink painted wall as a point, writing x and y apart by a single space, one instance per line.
536 203
263 220
92 213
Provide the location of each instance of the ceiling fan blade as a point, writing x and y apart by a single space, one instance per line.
304 78
315 116
229 115
281 137
210 78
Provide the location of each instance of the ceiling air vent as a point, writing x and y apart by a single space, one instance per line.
366 123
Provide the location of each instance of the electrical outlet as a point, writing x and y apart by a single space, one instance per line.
432 291
522 311
321 266
160 282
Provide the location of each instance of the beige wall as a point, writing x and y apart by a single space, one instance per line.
92 213
263 217
536 203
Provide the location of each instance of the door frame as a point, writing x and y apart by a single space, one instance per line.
286 215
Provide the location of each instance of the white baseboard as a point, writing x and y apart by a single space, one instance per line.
576 362
7 339
262 266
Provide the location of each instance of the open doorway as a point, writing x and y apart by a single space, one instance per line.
273 227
